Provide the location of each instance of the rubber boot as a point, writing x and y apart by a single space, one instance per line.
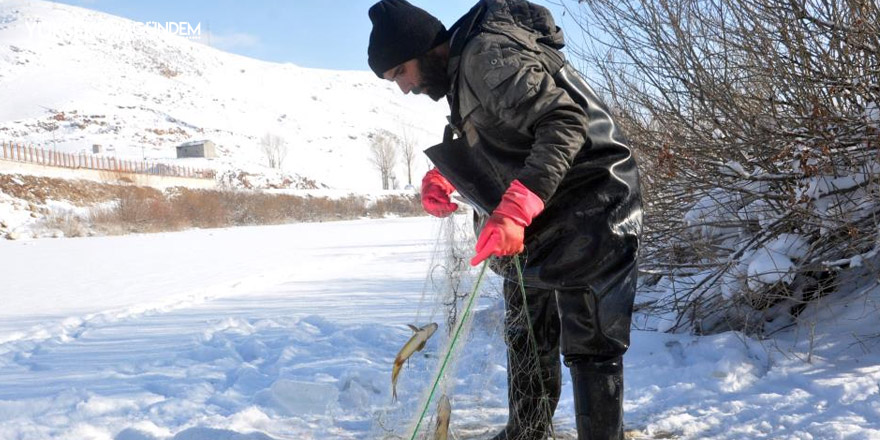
598 398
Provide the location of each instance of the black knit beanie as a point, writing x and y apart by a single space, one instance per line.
400 33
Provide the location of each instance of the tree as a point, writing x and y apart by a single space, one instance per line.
274 150
383 154
408 152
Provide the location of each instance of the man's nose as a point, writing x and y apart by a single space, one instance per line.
405 86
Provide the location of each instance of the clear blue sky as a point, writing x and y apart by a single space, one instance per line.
329 34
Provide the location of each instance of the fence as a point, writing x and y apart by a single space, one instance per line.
30 154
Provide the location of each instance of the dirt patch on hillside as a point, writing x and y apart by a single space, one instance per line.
84 193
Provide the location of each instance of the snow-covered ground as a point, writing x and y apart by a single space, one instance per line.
289 332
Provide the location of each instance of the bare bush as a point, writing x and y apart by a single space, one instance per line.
69 224
144 210
403 205
757 126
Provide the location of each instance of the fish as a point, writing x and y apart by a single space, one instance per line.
415 343
444 411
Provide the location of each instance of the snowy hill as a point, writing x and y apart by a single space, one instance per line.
71 78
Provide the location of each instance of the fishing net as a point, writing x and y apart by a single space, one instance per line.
465 359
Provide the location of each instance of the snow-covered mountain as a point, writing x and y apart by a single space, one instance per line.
71 78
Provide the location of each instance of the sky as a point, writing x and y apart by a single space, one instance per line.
327 34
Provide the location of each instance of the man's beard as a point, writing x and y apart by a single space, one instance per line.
435 83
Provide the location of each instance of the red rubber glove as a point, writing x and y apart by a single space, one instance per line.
504 231
435 194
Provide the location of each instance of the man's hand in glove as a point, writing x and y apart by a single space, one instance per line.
435 194
504 231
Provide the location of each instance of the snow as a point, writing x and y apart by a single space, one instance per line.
872 113
773 263
284 332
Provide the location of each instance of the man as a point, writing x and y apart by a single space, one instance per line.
555 189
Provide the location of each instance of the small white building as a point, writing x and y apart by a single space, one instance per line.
202 148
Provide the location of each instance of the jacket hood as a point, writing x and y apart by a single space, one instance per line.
520 17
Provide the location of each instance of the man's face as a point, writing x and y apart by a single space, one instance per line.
426 74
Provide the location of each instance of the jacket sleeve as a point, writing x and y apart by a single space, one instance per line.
511 83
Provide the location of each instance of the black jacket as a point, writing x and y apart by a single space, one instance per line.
521 112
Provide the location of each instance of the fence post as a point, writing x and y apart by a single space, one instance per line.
4 150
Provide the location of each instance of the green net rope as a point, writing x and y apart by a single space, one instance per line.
464 318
